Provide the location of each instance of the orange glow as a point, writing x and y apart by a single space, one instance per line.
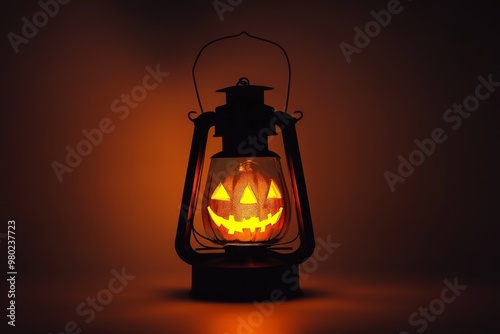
129 188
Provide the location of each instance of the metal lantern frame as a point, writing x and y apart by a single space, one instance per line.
260 270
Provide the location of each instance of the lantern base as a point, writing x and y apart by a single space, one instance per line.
246 273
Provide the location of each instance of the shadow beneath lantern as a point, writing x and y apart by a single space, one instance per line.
175 294
184 295
313 294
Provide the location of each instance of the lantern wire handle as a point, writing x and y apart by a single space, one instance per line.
251 36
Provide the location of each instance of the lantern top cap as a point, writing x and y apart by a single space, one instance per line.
248 88
244 93
243 85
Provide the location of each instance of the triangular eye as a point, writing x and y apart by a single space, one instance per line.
248 196
220 193
274 192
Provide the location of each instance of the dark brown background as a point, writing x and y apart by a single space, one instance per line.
119 208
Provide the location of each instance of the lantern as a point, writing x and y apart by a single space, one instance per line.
244 251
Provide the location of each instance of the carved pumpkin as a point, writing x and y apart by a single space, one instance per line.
248 204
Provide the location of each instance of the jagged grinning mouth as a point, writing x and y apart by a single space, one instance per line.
251 223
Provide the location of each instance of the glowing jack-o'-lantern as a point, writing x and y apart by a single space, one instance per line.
247 203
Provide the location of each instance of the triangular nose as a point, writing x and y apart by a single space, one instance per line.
248 196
